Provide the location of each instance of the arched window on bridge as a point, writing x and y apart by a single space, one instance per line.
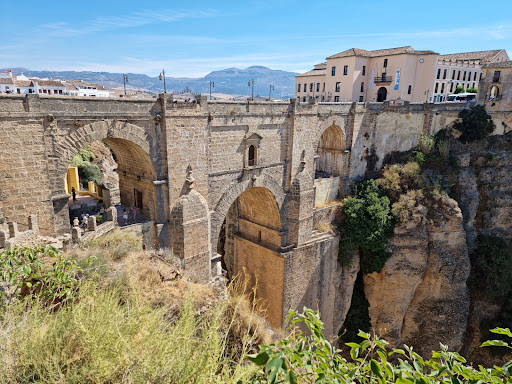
252 156
252 144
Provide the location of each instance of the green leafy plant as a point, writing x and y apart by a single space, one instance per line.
459 89
100 219
426 144
472 90
367 225
86 170
475 124
419 158
308 357
25 272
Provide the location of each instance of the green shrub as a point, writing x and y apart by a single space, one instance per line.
472 90
310 358
475 124
419 158
491 266
89 172
24 272
100 219
367 224
459 89
426 144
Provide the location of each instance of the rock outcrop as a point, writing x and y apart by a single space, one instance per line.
420 297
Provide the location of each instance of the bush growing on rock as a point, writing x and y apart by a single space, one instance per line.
367 225
475 124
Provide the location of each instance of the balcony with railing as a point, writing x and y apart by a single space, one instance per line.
383 79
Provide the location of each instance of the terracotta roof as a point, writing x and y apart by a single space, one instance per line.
314 72
23 83
484 56
380 52
6 80
83 83
69 86
49 83
499 64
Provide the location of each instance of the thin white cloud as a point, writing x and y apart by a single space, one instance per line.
134 19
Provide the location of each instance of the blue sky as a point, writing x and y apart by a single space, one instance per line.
192 38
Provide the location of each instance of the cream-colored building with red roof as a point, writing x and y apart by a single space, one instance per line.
359 75
393 74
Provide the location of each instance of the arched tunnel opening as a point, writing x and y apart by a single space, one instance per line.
111 172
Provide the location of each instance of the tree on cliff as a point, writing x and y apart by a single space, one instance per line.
475 124
367 224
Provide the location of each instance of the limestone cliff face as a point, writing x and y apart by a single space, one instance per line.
420 297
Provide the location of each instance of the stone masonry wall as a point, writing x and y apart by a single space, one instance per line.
166 142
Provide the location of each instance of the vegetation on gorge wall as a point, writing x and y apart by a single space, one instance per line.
406 180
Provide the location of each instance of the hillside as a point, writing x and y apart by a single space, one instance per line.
231 80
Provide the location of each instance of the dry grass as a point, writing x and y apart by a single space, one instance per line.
137 320
330 203
325 227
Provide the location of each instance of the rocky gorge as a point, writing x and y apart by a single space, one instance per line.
428 291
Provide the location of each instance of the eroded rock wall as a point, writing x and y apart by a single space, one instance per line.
420 297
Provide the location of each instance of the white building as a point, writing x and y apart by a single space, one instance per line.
21 84
89 89
49 87
463 69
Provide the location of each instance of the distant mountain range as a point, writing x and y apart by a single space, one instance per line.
231 81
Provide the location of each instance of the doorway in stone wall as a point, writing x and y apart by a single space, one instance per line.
137 198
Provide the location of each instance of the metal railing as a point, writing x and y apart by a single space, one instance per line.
383 79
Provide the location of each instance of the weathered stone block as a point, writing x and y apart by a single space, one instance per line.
91 223
13 229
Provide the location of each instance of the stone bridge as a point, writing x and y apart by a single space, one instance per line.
229 182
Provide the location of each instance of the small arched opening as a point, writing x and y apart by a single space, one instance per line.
382 94
252 156
494 93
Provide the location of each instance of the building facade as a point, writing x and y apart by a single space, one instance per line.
464 69
357 75
495 91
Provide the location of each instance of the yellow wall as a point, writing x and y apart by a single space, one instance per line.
72 179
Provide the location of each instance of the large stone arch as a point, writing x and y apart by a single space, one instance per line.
65 149
132 147
252 246
236 189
